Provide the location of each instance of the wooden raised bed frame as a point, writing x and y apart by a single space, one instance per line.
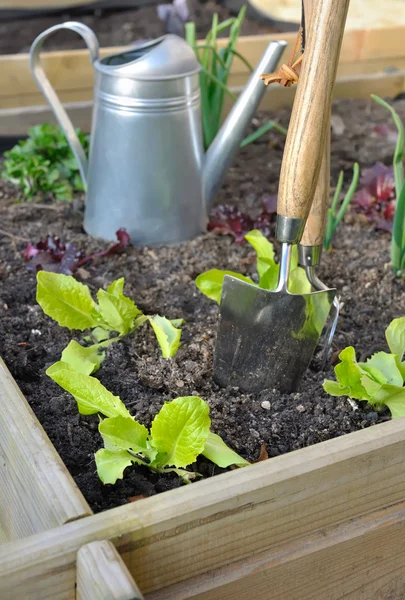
371 61
327 521
324 522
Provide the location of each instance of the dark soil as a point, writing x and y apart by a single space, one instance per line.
116 28
162 281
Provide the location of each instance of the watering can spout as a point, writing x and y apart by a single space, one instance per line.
223 149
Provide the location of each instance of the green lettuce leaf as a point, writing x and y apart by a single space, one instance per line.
177 322
210 283
219 453
98 335
392 396
167 335
119 312
117 287
66 301
349 375
180 430
125 433
85 360
378 381
264 250
298 282
111 464
395 334
387 365
59 366
268 270
372 387
269 279
335 389
91 396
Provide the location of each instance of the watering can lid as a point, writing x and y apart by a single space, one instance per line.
167 57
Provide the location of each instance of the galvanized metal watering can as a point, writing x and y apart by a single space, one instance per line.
147 170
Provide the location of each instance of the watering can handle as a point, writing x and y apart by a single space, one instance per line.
311 112
45 86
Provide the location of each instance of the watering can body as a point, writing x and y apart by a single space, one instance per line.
147 171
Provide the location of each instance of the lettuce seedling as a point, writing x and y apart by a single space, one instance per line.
44 163
376 198
210 283
227 219
378 381
180 432
70 304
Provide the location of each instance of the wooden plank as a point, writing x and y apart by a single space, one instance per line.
37 491
332 564
386 85
362 13
102 575
199 529
72 75
17 121
38 4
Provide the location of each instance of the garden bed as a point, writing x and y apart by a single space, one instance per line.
162 280
117 28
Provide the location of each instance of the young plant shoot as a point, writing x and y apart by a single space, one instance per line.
216 65
336 213
378 381
70 304
398 232
180 432
210 283
44 163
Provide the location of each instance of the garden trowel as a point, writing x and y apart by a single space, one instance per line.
311 244
266 339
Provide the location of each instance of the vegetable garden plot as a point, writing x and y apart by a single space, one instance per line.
330 504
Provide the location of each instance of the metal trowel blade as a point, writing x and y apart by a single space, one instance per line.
267 339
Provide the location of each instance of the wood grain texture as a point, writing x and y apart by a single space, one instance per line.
102 575
311 109
37 491
314 231
331 564
314 494
71 73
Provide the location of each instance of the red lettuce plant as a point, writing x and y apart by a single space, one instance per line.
52 254
376 198
228 220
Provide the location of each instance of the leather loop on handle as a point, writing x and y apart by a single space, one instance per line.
44 85
311 110
314 231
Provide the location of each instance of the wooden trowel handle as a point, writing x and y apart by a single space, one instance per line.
315 225
311 111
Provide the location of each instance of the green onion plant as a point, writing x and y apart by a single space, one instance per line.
336 212
398 230
216 65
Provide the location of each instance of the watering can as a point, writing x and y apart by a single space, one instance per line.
147 170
